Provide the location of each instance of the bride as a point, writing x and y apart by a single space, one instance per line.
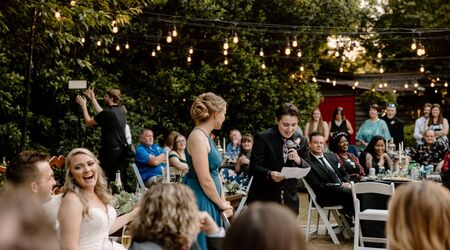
86 217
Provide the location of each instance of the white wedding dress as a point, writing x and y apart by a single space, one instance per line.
94 230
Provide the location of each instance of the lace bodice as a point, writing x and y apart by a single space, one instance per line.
94 230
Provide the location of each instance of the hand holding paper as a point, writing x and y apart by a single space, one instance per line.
297 173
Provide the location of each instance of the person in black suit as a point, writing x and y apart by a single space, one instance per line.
328 180
271 153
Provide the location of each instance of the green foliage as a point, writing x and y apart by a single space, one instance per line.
408 131
369 97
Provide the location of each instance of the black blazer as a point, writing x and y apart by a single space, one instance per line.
321 178
267 155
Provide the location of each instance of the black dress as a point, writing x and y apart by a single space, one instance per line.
336 128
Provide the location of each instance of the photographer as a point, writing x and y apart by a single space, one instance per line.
112 120
273 149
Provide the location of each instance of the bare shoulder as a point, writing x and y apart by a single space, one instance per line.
197 140
71 199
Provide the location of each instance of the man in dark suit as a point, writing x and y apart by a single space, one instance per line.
272 150
328 180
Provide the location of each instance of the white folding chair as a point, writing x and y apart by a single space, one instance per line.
141 184
335 210
243 202
369 214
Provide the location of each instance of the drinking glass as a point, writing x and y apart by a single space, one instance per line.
126 237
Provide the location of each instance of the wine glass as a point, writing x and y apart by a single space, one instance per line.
126 237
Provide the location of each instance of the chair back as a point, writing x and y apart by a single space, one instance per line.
309 189
138 176
372 187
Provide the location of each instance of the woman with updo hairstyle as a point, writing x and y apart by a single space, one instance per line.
203 159
418 217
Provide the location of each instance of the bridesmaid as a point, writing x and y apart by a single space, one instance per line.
316 124
203 158
339 123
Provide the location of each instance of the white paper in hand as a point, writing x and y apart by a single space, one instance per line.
296 173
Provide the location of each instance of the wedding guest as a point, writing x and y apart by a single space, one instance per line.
240 174
270 153
86 216
208 112
421 123
234 146
372 127
375 156
339 123
438 123
418 217
316 124
169 219
150 157
349 162
265 226
429 151
168 144
112 120
177 157
395 125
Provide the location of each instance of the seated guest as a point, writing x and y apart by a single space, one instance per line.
372 127
241 174
349 162
429 151
150 157
30 171
86 216
328 180
421 123
169 219
23 222
419 217
444 169
168 144
265 226
375 156
233 147
177 157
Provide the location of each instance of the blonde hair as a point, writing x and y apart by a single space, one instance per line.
101 187
419 216
206 104
168 217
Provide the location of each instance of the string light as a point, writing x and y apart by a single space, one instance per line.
302 68
153 53
287 50
83 40
336 54
416 85
406 86
341 69
438 79
314 79
261 52
299 53
446 84
385 84
373 90
295 42
356 84
235 38
435 91
174 31
191 50
415 91
263 65
413 44
328 80
189 59
422 68
381 69
99 43
225 44
169 37
353 87
73 3
117 47
420 50
115 29
225 61
379 55
127 46
395 91
380 85
432 84
57 15
158 47
225 52
334 82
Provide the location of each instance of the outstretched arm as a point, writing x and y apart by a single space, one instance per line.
91 95
87 118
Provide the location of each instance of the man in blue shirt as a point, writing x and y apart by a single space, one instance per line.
234 146
150 157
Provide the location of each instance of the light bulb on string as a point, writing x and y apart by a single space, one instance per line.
395 91
225 61
261 52
115 29
73 3
235 38
435 91
191 50
117 47
314 79
381 69
432 84
287 50
334 82
415 91
225 52
353 87
356 84
379 55
380 85
438 79
299 53
189 59
446 84
416 85
58 15
422 68
385 84
158 47
263 65
99 43
174 31
225 44
373 90
336 54
295 43
328 80
302 68
406 86
169 37
153 53
127 46
83 40
341 69
413 44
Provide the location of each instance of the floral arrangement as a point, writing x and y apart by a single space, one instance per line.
124 202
